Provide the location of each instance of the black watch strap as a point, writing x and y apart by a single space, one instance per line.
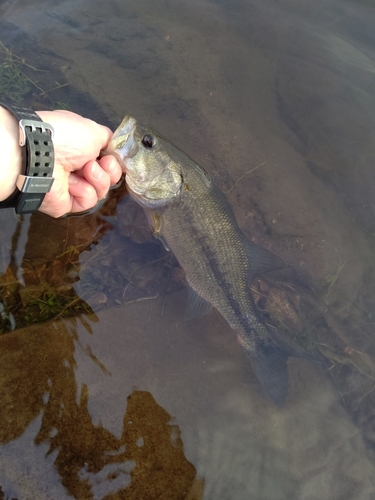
37 161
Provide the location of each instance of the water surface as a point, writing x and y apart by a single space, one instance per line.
106 392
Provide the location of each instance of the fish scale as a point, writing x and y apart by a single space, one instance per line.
211 257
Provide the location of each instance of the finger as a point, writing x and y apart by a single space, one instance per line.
98 178
83 194
112 167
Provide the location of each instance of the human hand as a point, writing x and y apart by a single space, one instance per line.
81 180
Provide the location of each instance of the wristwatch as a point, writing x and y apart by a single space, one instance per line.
37 161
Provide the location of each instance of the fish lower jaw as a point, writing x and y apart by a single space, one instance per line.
140 198
134 188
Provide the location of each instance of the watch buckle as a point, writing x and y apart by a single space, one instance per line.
46 128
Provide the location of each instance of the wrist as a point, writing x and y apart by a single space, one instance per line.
34 178
11 153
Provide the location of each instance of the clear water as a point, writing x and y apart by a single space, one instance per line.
105 391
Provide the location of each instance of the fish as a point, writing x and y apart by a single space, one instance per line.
193 219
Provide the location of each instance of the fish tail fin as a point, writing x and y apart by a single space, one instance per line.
270 366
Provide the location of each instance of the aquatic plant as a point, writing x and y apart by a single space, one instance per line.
18 80
13 83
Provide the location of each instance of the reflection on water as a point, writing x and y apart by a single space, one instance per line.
41 402
277 102
79 419
84 264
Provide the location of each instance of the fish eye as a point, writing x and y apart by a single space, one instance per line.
148 141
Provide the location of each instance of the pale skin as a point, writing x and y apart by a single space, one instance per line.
81 179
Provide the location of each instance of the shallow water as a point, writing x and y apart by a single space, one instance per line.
109 393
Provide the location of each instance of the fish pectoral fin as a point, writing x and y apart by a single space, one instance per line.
161 238
156 223
197 306
261 260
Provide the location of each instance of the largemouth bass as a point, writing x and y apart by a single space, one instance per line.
194 219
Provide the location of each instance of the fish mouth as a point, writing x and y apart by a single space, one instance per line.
123 144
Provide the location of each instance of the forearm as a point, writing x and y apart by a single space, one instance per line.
11 154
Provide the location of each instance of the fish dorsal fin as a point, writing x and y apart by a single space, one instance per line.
261 260
197 306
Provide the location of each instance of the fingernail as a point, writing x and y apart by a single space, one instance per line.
72 179
96 171
113 167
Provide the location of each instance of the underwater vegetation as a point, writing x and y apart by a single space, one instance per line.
20 81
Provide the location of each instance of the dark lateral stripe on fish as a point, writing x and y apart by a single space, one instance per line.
202 240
